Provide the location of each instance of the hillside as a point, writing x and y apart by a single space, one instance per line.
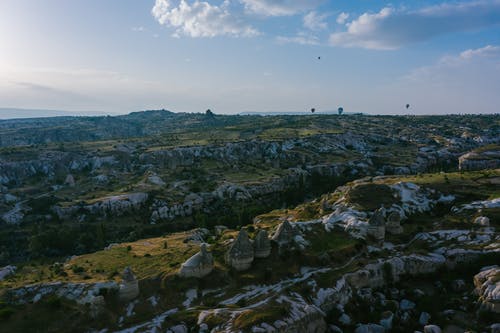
147 173
302 278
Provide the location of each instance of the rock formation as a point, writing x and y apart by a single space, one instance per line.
487 284
70 180
199 265
376 225
284 235
432 329
482 221
240 255
480 160
393 225
129 287
262 245
6 271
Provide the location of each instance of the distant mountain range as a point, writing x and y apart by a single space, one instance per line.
289 113
15 113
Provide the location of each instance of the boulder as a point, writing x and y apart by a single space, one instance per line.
199 265
241 253
487 283
129 287
284 235
370 328
386 321
424 318
376 225
96 306
70 180
432 329
6 271
262 245
393 225
482 221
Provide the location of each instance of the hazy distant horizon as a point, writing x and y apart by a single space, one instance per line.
19 113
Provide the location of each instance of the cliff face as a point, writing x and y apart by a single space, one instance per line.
486 158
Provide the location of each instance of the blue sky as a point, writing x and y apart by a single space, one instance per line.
234 56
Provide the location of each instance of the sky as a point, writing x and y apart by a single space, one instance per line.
233 56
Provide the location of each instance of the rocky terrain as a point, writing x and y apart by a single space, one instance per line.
115 179
262 224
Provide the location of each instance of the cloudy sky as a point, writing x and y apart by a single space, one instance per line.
236 56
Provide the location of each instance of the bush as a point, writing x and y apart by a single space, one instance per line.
53 301
77 269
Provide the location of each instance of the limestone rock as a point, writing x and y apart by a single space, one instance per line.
6 271
386 321
156 180
376 225
70 180
262 245
424 318
480 160
178 329
129 288
487 284
370 328
199 265
284 235
432 329
241 254
482 221
393 225
96 306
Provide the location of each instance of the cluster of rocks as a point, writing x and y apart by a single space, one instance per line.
243 251
116 205
6 271
480 160
487 284
378 225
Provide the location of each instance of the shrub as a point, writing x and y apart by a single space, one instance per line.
77 269
53 301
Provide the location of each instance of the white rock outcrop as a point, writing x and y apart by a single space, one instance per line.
262 245
129 287
199 265
241 253
487 284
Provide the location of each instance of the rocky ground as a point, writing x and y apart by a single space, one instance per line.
326 273
378 244
145 174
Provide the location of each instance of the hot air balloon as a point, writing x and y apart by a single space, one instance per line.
407 106
340 110
319 58
312 110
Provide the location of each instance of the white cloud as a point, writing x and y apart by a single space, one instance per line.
391 28
200 19
482 60
466 82
301 38
487 51
315 21
279 7
138 29
342 18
